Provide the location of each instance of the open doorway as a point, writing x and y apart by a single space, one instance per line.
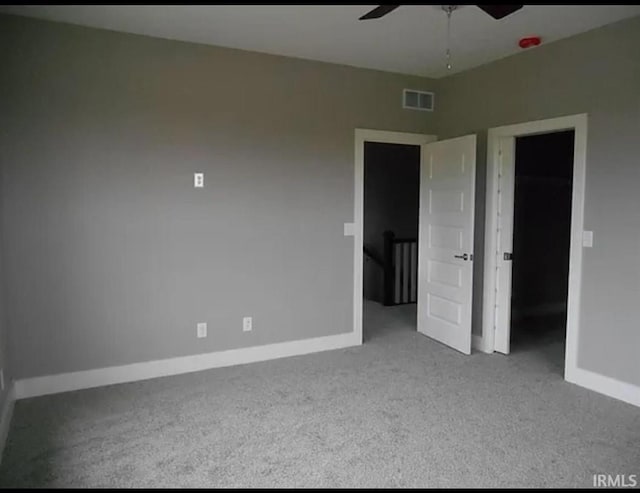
390 237
363 138
541 241
566 137
443 247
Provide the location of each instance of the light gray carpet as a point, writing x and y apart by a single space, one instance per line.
400 411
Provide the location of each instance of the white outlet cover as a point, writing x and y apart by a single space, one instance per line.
198 180
587 239
201 329
349 229
247 324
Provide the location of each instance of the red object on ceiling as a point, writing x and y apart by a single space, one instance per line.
529 42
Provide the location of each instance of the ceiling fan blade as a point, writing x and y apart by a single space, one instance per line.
500 11
378 12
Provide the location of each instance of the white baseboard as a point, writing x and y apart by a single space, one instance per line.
605 385
5 418
64 382
478 342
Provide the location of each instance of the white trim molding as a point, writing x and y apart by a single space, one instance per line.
478 342
363 135
604 385
506 135
65 382
6 413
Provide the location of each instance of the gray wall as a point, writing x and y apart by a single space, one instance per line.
112 256
391 202
598 73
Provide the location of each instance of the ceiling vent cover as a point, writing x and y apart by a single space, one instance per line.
417 100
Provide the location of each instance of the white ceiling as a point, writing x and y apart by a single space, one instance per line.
409 40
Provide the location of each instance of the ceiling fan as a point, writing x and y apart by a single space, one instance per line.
495 11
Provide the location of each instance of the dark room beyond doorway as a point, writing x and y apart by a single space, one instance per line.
541 240
391 200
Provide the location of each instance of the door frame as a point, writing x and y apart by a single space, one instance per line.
363 135
496 336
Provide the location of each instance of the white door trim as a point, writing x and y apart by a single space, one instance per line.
363 135
579 124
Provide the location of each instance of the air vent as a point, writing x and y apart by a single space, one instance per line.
417 100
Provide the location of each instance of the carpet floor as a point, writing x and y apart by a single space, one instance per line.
399 411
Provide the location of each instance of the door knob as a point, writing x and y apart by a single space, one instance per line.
463 257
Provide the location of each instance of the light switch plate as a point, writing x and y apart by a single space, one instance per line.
198 180
201 329
349 229
587 239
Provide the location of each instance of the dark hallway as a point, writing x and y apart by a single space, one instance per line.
391 200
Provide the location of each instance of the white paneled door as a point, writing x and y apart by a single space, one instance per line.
445 265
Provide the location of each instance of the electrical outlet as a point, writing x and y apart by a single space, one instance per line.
202 329
198 180
247 324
